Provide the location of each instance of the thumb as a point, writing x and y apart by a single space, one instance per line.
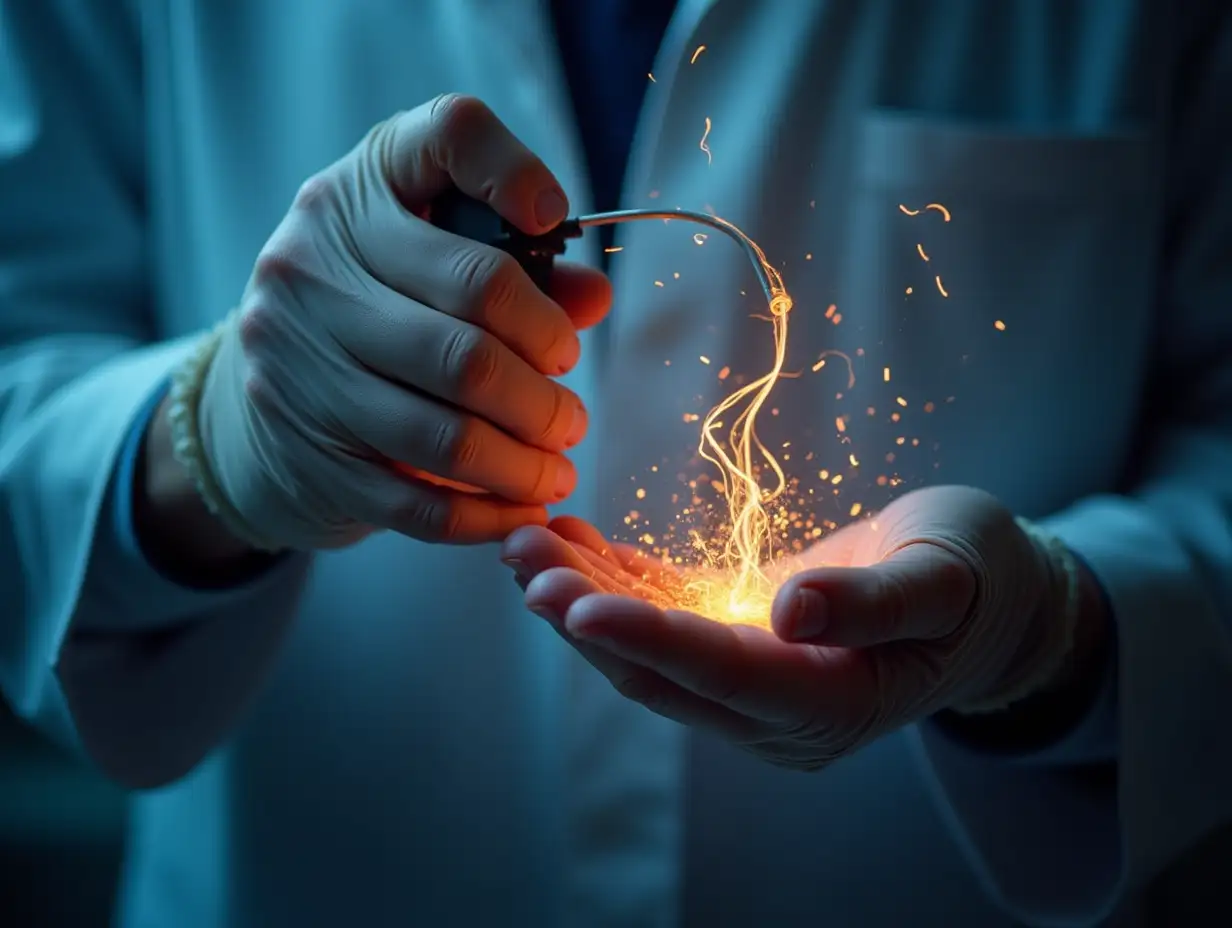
458 141
921 591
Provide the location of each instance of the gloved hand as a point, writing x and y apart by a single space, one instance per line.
942 601
380 373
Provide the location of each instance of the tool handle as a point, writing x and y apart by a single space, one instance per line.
453 211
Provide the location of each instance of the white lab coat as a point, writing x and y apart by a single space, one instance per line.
381 735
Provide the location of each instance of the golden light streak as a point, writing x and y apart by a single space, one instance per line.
697 54
729 571
937 207
735 585
703 145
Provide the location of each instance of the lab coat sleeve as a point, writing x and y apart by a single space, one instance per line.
1056 840
95 647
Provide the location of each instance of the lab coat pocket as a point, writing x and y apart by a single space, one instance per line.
996 267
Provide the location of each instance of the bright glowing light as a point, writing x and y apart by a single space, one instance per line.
703 145
727 552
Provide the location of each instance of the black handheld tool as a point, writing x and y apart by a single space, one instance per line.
455 212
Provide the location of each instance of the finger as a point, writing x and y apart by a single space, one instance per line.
477 284
920 592
413 430
745 669
382 498
580 532
458 140
538 550
465 366
584 293
551 595
535 550
554 591
628 558
412 158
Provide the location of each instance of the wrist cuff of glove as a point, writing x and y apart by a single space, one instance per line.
1057 625
187 385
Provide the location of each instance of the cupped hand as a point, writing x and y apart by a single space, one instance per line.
941 600
381 373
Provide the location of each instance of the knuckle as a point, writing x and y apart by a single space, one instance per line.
490 279
314 194
255 327
456 115
289 254
456 442
431 518
470 361
276 263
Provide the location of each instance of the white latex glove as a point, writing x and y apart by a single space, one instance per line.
373 355
942 601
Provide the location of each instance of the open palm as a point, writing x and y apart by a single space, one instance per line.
944 600
797 705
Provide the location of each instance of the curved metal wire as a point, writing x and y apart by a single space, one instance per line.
720 225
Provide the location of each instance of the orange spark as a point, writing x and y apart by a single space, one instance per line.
940 286
702 144
908 212
920 249
697 54
945 213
